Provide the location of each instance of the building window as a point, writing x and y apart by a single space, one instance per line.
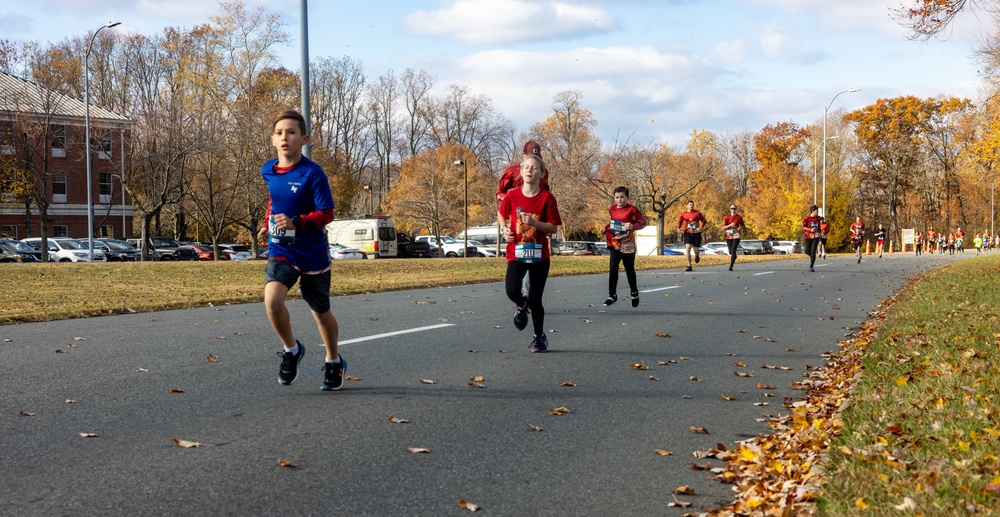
102 144
60 230
58 141
59 187
9 231
106 232
6 138
104 179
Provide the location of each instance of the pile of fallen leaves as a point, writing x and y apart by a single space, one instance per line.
781 473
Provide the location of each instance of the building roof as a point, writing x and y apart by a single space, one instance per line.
18 95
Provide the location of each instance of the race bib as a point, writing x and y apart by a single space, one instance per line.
528 252
730 232
814 226
693 226
279 235
618 227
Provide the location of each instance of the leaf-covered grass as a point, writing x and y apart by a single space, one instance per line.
921 434
40 292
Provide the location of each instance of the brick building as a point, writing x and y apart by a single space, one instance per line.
42 139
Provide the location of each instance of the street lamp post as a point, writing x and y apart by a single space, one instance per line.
465 233
816 167
825 110
87 157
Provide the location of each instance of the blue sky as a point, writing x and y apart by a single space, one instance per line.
652 70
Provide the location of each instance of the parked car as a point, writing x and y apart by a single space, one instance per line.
341 252
163 248
674 249
756 247
206 252
17 251
489 235
406 247
117 250
719 248
482 250
577 248
449 245
787 247
62 249
236 251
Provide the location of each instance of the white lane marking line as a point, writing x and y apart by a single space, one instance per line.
396 333
764 273
822 265
660 289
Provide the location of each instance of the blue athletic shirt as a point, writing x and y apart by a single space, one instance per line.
300 191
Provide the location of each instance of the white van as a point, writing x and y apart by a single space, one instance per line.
373 236
488 235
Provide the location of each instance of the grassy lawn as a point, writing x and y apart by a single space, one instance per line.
921 434
40 292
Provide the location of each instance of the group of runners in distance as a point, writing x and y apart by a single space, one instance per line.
300 205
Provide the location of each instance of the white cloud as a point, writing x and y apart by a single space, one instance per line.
510 21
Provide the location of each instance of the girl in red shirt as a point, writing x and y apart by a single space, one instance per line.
732 224
810 227
620 234
528 216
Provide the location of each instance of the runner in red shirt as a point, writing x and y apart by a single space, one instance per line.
690 224
857 236
824 231
528 216
732 225
511 177
620 235
810 227
880 239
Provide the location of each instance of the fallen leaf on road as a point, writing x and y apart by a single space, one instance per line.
477 385
742 374
684 490
765 386
468 506
727 397
175 390
351 378
693 378
662 452
418 450
89 435
27 413
567 384
143 370
287 464
699 430
427 381
535 428
653 378
639 366
559 411
211 358
397 420
71 401
188 444
740 364
477 378
662 334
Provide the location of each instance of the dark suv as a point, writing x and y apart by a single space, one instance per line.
17 251
756 247
164 248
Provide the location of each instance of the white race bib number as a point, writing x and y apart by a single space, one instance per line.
618 227
528 252
730 232
693 226
279 235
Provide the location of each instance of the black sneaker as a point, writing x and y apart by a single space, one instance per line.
540 344
611 299
811 270
521 317
333 375
697 259
635 298
289 369
689 269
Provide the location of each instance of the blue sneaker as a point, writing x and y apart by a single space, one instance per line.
333 375
289 369
540 344
521 317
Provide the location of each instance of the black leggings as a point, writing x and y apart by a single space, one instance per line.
537 274
811 246
618 257
734 246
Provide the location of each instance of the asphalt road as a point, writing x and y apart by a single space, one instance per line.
118 378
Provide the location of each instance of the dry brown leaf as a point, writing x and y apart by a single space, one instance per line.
419 450
427 381
175 390
72 401
662 334
653 378
477 385
89 435
760 403
498 326
729 354
468 506
211 358
699 430
742 374
640 366
662 452
27 413
742 331
535 428
397 420
727 397
143 370
740 364
351 378
189 444
287 464
765 386
567 384
559 411
693 378
678 504
684 490
477 378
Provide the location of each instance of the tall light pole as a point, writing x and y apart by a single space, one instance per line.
825 110
816 167
465 233
304 74
87 157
